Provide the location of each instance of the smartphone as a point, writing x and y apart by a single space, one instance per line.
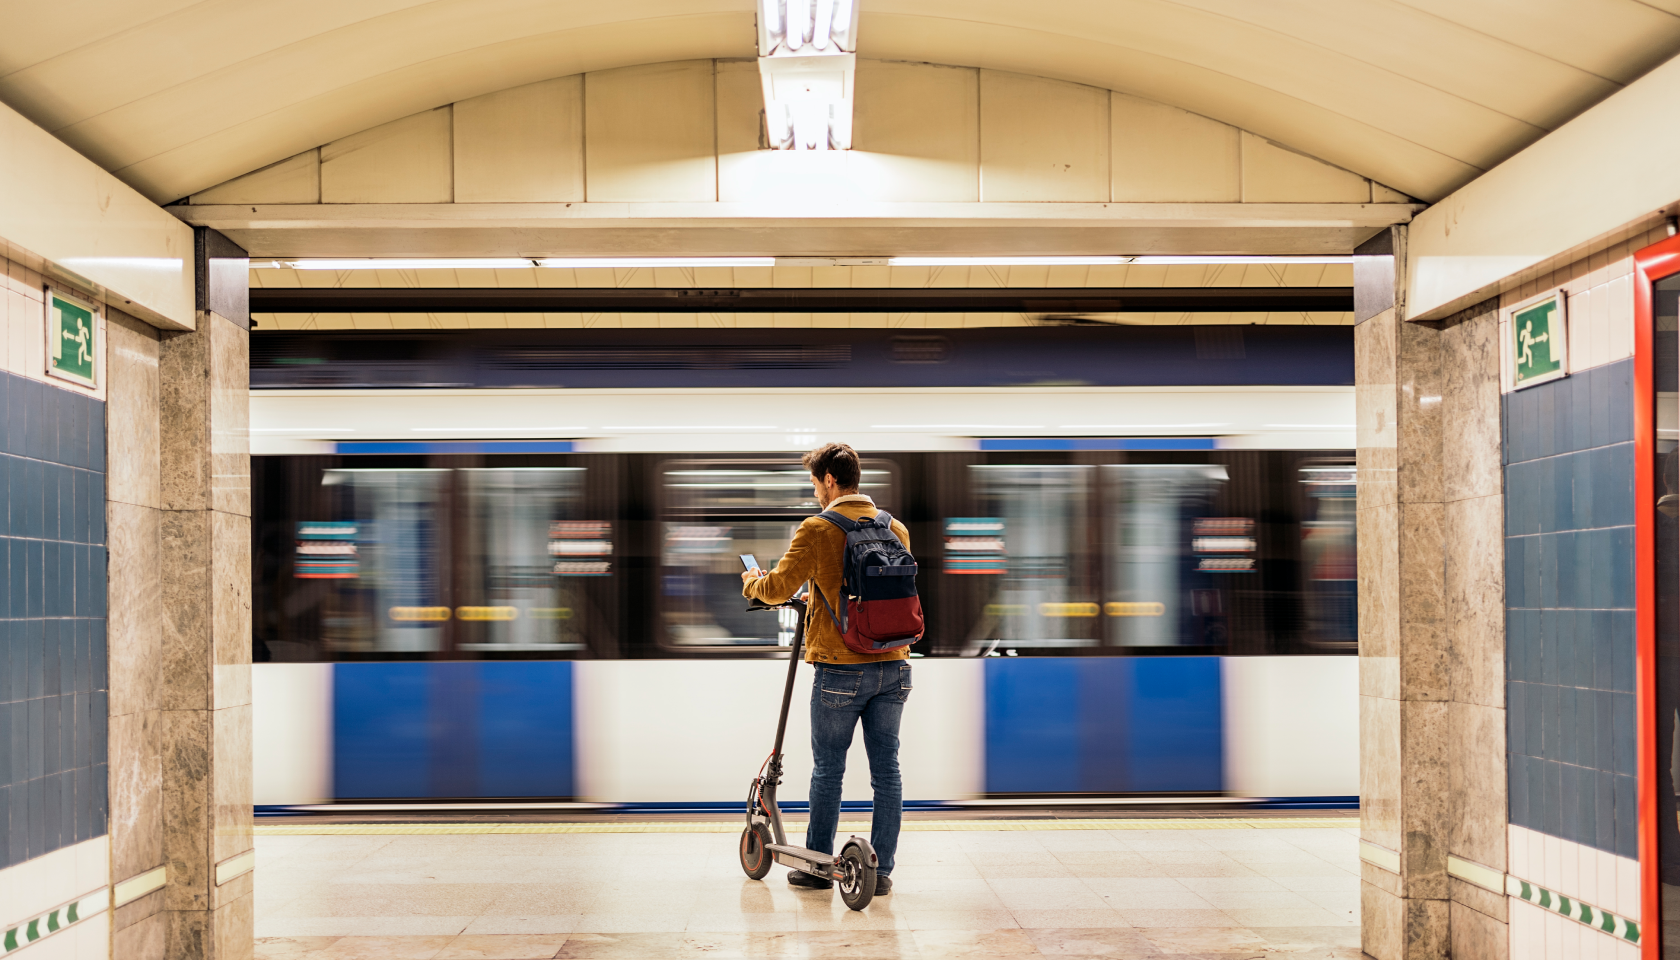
748 561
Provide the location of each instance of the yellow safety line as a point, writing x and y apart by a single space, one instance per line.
712 826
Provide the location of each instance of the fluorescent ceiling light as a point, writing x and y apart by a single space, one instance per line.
369 263
1008 261
955 426
578 263
687 428
1103 261
807 62
1123 427
496 429
1280 261
510 263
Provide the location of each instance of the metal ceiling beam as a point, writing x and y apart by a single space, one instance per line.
1036 300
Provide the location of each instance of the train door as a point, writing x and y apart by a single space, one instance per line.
396 601
526 554
1169 563
1045 592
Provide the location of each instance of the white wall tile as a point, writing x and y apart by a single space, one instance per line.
38 885
1587 883
1516 841
1525 919
1621 317
1599 317
1580 331
92 938
1551 868
1504 354
1552 925
1569 870
26 326
1627 887
1609 899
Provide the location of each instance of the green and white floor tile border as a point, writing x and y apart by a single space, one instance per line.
36 929
1596 917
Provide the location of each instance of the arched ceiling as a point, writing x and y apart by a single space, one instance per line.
174 96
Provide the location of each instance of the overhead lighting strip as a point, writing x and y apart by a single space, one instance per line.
622 263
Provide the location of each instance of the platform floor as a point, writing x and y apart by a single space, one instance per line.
1010 888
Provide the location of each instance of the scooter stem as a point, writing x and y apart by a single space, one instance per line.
787 691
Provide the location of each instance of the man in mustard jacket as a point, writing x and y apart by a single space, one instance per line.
849 686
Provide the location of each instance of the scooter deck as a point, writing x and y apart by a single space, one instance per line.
805 859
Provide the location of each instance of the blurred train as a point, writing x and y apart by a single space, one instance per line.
502 567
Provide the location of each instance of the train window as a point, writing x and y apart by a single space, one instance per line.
392 601
528 554
1042 593
1173 566
714 511
1330 555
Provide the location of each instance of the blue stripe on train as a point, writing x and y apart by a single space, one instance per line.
454 730
1104 725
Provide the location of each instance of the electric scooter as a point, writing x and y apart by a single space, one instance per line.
763 841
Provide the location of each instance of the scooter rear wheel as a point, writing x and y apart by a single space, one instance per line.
857 887
755 851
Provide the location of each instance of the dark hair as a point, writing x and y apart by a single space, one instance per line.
837 460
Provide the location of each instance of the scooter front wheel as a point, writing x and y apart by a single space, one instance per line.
755 851
857 887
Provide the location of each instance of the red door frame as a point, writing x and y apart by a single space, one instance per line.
1656 262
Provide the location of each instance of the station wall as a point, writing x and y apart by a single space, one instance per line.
1569 594
54 772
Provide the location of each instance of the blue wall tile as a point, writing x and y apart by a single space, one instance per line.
1569 577
53 699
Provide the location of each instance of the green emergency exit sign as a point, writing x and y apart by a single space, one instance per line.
71 351
1539 342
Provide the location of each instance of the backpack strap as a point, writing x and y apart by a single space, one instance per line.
840 520
838 625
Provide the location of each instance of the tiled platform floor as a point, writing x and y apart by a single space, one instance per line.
1227 893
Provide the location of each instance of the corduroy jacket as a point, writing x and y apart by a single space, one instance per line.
816 554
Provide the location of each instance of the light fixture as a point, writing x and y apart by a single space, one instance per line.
580 263
1140 261
370 263
807 61
522 263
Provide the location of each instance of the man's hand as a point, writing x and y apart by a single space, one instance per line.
750 575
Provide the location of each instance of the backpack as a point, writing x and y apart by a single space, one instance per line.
881 610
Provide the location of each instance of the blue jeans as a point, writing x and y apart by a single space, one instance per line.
840 695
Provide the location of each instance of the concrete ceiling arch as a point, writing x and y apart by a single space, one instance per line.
1421 95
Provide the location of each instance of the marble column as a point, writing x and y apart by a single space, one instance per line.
1472 486
1431 624
205 673
133 517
